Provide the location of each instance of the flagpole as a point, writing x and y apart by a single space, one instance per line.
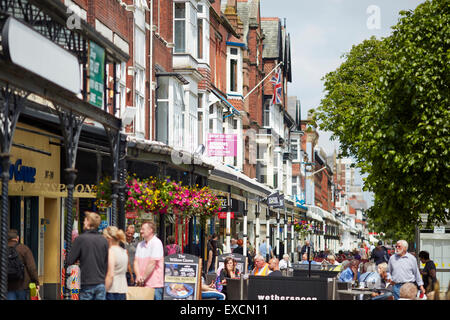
263 80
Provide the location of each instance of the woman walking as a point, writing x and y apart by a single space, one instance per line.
116 280
428 272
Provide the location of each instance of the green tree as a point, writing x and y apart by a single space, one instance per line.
389 106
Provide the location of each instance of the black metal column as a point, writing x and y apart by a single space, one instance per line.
12 103
122 180
71 125
114 140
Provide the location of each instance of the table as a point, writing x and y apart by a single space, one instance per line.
355 292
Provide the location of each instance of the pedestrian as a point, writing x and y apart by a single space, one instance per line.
263 250
351 273
408 291
130 246
362 251
116 280
212 253
274 268
379 254
239 249
91 249
171 247
305 248
149 260
383 285
261 267
429 271
234 244
21 268
403 268
356 254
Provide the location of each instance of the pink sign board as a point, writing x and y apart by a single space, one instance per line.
222 145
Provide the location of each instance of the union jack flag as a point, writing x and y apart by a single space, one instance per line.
277 87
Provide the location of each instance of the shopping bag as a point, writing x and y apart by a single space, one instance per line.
140 293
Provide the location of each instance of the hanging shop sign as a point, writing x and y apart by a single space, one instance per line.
273 200
182 277
223 203
96 74
30 50
222 145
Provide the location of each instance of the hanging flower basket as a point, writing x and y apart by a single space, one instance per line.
103 194
163 196
304 228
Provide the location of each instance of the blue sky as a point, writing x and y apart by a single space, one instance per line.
321 32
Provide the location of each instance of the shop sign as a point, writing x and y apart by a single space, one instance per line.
96 74
182 277
30 50
287 288
18 172
439 230
222 145
223 215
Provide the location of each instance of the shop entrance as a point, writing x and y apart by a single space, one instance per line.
24 217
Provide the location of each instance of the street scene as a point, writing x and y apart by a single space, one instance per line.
243 151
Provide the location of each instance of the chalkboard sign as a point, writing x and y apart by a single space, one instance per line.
241 261
287 288
182 277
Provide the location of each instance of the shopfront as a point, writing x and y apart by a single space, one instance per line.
35 199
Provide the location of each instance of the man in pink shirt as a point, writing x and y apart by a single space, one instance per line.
149 260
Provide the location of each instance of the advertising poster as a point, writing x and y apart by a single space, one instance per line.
181 277
240 261
222 145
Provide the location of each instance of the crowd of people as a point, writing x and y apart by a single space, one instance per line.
112 261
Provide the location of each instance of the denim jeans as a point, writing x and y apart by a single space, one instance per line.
116 296
396 290
159 292
17 295
213 295
94 292
383 296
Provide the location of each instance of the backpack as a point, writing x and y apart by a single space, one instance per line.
172 249
16 269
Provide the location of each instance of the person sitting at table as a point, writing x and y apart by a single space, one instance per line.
305 260
285 262
408 291
369 273
351 273
229 271
331 261
210 292
383 284
261 267
274 268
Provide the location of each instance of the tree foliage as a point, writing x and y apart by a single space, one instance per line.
389 106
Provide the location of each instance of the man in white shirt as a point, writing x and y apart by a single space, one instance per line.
149 260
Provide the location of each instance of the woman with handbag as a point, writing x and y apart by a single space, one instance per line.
116 280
